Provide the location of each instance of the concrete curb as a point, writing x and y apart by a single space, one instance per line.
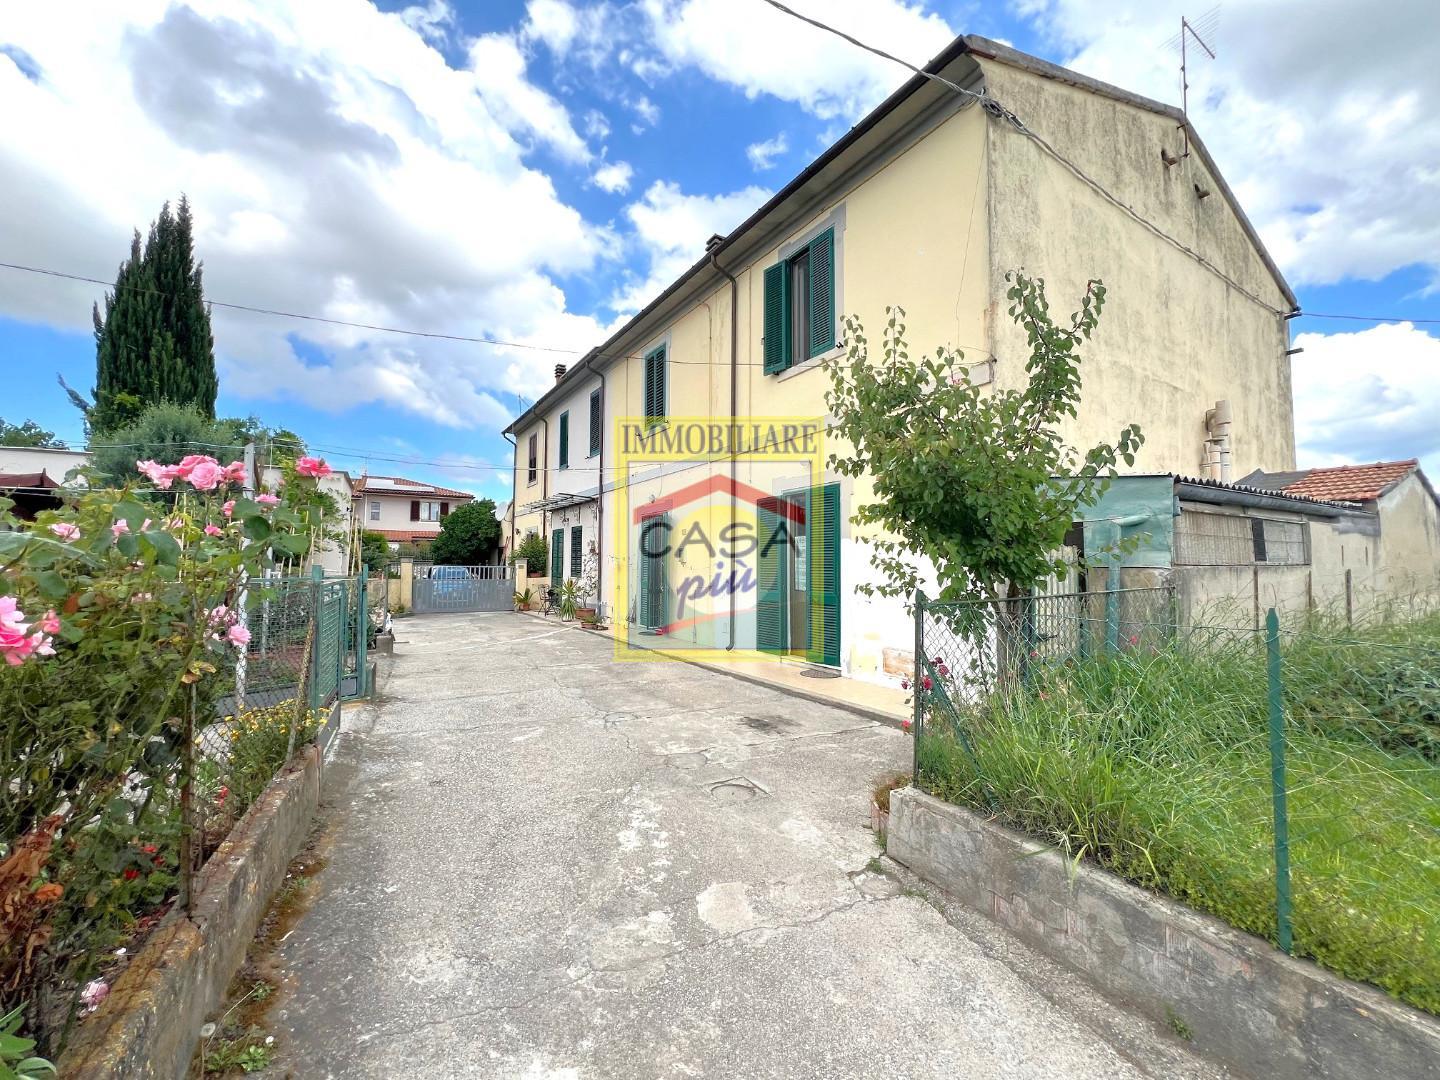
1242 1001
865 711
150 1023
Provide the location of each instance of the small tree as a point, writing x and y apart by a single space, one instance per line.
28 434
165 433
468 534
976 481
374 550
534 552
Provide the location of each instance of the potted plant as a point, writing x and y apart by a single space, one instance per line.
524 600
569 600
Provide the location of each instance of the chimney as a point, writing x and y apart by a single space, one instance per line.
715 241
559 372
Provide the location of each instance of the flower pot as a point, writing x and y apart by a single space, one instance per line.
585 614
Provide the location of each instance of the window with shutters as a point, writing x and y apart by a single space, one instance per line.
595 421
564 440
655 391
422 510
534 459
799 305
575 556
374 509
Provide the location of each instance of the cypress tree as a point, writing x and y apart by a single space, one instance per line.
154 342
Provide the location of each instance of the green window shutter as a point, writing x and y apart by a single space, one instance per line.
822 293
557 557
773 558
564 440
825 545
777 318
654 536
595 421
655 385
575 554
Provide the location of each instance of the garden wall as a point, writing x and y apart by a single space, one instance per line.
1241 1000
149 1025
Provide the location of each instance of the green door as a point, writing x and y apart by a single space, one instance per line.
772 562
824 523
557 558
654 583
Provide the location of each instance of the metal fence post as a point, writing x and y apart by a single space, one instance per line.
1284 933
317 575
915 689
362 633
1112 606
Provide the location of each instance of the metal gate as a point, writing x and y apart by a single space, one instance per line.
461 588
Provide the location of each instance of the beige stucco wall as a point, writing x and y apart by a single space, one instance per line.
1409 540
1173 337
395 512
56 463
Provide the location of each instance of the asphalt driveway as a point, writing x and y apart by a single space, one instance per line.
545 863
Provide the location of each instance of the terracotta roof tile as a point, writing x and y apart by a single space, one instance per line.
1352 483
400 485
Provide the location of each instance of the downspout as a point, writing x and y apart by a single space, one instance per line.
545 489
734 406
514 487
600 497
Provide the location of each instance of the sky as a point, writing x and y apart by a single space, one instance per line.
536 170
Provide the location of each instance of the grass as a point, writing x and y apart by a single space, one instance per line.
1156 765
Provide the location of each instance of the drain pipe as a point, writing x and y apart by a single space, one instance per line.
734 405
514 487
600 497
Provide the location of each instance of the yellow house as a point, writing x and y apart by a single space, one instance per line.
991 161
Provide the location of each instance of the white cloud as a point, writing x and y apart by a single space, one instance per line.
764 51
498 65
1332 151
433 21
614 177
646 110
762 155
1370 395
596 126
336 165
552 21
672 227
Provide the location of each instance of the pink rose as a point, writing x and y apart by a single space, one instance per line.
219 615
41 645
267 499
239 636
121 526
65 531
14 645
235 472
160 475
313 466
50 623
228 508
213 530
189 463
927 683
10 613
206 475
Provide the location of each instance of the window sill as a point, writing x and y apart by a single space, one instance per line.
807 365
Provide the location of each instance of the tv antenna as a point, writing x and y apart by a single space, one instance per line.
1200 29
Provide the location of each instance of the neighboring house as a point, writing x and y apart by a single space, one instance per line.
333 556
404 511
926 204
557 475
29 475
1407 509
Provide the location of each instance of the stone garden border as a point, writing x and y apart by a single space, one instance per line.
150 1023
1241 1000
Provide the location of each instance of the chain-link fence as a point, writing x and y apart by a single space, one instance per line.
1287 782
307 647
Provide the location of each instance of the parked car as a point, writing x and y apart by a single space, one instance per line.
450 579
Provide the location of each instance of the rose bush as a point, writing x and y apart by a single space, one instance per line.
118 629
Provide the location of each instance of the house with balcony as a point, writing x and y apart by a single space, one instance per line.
990 161
403 511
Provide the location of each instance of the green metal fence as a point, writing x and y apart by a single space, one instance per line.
1286 780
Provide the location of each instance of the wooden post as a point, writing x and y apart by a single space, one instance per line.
407 582
1349 598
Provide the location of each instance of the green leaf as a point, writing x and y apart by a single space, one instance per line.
165 546
51 585
256 527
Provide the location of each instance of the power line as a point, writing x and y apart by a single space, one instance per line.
1365 318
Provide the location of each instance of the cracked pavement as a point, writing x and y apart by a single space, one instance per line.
541 862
